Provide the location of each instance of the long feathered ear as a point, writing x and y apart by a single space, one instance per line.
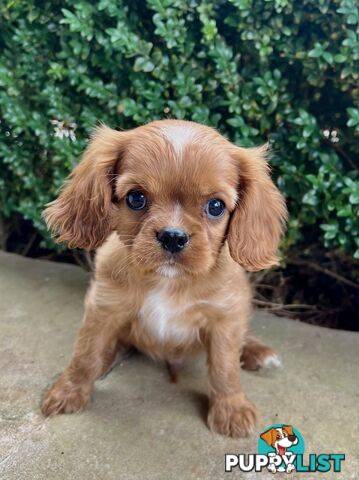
257 223
80 216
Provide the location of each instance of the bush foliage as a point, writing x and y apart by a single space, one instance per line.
257 70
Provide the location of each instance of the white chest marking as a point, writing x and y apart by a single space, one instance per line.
160 316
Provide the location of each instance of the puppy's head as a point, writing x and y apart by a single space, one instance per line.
174 191
280 438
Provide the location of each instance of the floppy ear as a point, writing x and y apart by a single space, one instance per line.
288 429
80 216
268 436
258 221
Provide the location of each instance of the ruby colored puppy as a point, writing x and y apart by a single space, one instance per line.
178 213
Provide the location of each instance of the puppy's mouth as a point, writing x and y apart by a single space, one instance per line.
281 450
170 268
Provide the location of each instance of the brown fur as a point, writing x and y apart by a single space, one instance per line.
209 297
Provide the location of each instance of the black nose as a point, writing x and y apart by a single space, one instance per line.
172 239
292 438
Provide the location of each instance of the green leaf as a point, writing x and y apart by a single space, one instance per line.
340 58
316 52
328 57
354 198
310 198
143 64
345 212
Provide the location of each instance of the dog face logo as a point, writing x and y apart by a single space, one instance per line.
281 449
281 440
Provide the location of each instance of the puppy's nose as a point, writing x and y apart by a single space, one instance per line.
172 239
292 438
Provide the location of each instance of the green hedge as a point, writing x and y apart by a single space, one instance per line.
257 70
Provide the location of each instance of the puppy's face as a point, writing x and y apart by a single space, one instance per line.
174 191
174 196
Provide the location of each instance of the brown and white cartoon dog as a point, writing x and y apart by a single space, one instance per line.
280 438
177 214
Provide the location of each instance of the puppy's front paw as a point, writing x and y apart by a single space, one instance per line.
65 397
234 416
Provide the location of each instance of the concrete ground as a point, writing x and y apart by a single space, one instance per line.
140 426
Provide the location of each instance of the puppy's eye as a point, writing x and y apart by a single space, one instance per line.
136 200
215 208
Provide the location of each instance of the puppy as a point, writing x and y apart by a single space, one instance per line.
178 213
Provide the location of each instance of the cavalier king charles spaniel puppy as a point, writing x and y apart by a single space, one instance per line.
177 214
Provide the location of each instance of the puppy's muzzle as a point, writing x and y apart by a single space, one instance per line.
172 240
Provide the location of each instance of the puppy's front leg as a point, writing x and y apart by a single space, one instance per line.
95 350
230 413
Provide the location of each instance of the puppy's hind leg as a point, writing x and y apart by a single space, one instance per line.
256 355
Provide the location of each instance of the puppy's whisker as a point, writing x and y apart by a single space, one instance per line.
128 262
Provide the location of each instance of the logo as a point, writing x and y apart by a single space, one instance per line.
281 444
281 449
